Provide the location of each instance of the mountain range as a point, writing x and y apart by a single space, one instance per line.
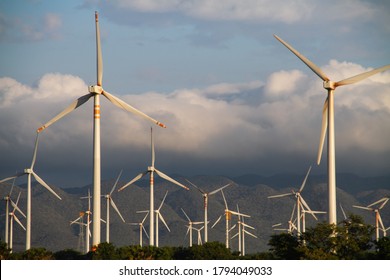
51 217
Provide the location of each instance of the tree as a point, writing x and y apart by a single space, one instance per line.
285 246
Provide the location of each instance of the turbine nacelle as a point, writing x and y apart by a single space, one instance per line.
28 171
95 89
151 169
329 85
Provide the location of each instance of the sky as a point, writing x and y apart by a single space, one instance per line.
235 101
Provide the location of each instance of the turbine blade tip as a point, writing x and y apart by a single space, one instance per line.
40 129
161 125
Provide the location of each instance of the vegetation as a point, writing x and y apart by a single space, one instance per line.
352 240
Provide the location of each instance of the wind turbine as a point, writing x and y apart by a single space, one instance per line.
205 203
378 219
328 121
87 224
95 91
151 170
241 233
141 228
299 201
81 246
190 225
30 171
199 234
110 201
228 217
11 222
159 216
8 200
304 211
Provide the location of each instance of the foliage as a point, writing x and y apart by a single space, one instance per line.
352 239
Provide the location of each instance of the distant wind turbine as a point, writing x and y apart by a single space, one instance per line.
151 170
328 121
299 201
8 200
95 91
141 228
110 201
205 204
242 232
378 220
190 226
30 171
13 217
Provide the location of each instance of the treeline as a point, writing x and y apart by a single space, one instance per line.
351 240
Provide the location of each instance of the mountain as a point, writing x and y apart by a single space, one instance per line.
51 217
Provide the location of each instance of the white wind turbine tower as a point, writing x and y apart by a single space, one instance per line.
228 217
95 91
110 201
299 201
328 121
151 170
8 200
205 204
11 222
30 171
378 219
190 226
241 233
141 228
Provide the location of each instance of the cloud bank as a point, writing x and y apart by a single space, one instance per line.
262 127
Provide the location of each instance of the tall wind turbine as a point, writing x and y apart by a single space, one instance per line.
30 171
205 204
378 220
11 222
151 170
328 121
95 91
190 225
299 201
228 217
141 228
110 201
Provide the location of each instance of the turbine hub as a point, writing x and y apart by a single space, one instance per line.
28 171
95 89
329 85
151 168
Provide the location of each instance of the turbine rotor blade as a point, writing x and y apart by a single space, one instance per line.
77 103
35 152
45 185
152 144
19 222
216 222
310 64
324 127
121 104
162 219
166 177
220 189
13 177
99 58
280 195
342 210
139 176
195 186
116 182
362 207
162 202
304 181
186 215
361 76
117 210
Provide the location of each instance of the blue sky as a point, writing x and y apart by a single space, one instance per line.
233 98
